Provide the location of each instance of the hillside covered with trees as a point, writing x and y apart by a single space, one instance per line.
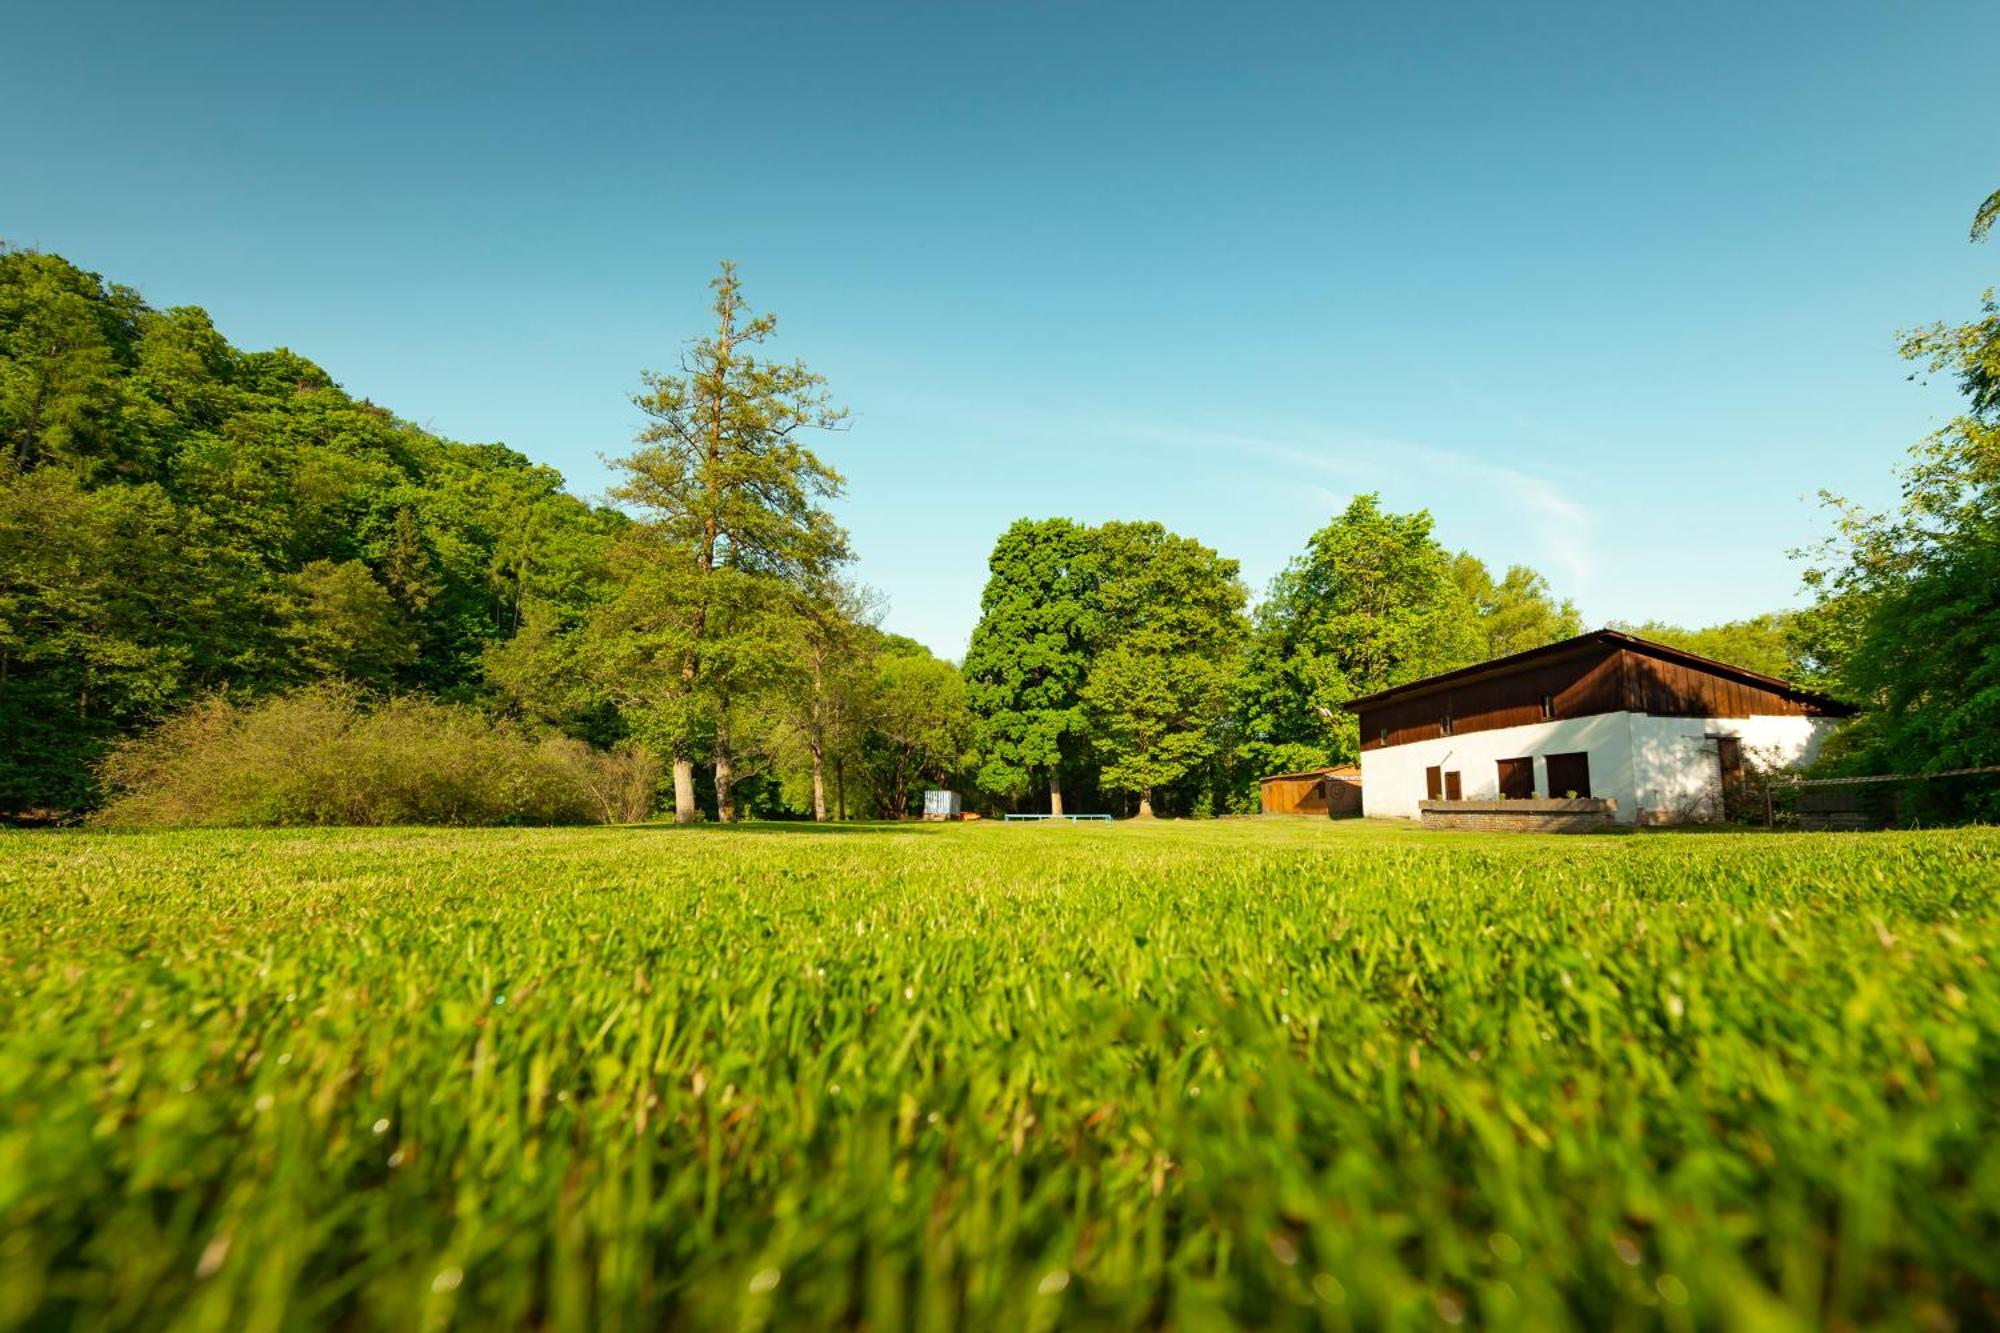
184 521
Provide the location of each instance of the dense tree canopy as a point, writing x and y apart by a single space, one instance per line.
1103 658
1768 643
1373 602
1518 611
909 729
183 519
178 516
1165 639
1025 667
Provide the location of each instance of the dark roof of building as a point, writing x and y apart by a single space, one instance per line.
1351 772
1501 666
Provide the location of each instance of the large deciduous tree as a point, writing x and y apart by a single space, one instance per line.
1026 664
1165 637
916 726
1516 612
731 517
1371 603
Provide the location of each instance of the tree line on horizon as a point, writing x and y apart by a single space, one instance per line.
205 547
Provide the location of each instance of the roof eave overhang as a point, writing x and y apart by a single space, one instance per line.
1582 643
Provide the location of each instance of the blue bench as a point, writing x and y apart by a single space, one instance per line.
1074 819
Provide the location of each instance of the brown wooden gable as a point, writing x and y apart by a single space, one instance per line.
1605 672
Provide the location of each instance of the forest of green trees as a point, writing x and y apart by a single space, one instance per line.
230 592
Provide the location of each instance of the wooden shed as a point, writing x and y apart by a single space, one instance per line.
1329 793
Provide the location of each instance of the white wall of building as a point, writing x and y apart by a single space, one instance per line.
1665 767
1392 778
1677 774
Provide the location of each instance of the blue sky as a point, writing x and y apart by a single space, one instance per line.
1609 289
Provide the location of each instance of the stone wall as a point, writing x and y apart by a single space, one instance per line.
1583 815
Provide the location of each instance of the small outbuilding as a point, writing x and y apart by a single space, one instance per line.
1329 793
941 805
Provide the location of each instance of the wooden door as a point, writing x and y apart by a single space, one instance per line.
1453 790
1729 756
1433 783
1517 778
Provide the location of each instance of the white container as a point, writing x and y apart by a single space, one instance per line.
940 805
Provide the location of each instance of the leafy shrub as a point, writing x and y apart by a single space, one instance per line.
328 755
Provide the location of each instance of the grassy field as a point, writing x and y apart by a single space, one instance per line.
1281 1074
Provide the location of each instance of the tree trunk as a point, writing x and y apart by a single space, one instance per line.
1055 793
840 788
1145 805
684 811
725 770
725 788
819 784
816 739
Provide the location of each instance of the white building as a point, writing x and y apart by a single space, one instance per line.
1662 733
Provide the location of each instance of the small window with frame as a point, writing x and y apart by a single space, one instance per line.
1444 725
1548 707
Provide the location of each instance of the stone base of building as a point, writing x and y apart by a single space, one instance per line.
1583 814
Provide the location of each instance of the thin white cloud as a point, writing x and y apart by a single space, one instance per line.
1562 527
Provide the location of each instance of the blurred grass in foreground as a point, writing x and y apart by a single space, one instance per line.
1283 1074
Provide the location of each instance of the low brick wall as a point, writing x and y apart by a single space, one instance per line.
1584 815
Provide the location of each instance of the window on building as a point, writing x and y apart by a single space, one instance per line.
1383 735
1433 783
1444 725
1453 789
1569 774
1517 779
1548 707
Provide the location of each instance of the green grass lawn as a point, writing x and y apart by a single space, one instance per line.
1279 1073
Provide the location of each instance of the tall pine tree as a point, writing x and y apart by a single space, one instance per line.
731 516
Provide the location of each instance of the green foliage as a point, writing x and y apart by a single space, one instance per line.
1518 612
1025 666
1768 643
1102 655
732 524
1908 610
1165 640
1373 603
325 755
1988 214
90 599
1915 599
344 623
816 660
1170 1076
915 727
178 517
65 340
